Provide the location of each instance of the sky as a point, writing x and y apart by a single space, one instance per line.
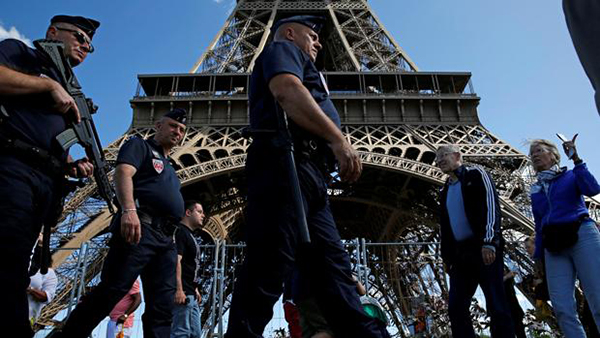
523 62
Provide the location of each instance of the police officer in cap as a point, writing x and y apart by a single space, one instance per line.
34 109
142 243
285 77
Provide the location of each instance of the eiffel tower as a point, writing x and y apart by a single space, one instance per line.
392 113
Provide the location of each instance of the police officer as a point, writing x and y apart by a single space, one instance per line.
34 109
285 77
142 240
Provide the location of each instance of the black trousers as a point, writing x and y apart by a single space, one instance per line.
25 195
464 279
154 259
273 249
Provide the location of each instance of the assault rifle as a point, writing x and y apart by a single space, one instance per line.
83 133
282 138
290 165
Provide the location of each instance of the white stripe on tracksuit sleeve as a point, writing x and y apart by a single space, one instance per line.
491 206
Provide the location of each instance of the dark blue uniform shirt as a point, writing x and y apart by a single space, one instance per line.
32 117
155 184
282 57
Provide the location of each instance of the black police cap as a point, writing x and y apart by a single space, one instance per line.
311 21
177 114
87 25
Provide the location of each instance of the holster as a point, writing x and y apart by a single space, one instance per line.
164 224
316 151
306 148
31 155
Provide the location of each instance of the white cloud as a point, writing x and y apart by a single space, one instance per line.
229 3
13 33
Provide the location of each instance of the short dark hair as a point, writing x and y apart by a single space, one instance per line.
190 204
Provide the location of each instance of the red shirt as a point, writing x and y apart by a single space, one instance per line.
124 304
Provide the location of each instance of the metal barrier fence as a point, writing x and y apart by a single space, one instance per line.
407 279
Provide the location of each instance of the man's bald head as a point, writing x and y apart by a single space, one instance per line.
286 31
302 36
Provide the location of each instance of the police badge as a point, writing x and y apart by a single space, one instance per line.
158 165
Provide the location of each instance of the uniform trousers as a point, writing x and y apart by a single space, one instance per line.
273 249
464 279
25 197
154 260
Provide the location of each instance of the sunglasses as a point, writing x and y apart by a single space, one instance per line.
81 38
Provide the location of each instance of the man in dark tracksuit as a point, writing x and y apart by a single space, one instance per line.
142 242
285 77
34 109
472 244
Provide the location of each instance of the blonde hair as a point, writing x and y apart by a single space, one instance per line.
548 146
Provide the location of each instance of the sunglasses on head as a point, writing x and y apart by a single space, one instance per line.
81 38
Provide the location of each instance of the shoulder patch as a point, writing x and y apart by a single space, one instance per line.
158 165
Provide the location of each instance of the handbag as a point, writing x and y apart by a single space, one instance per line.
560 236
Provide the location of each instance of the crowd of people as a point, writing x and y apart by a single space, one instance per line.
564 244
297 143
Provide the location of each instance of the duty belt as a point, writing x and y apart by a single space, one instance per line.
304 148
164 224
31 155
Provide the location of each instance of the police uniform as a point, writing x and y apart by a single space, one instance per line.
271 234
160 207
29 174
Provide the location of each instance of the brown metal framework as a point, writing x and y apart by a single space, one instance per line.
393 114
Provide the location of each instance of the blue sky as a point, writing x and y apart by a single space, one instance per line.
523 63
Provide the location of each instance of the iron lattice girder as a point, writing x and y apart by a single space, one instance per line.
372 139
367 45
